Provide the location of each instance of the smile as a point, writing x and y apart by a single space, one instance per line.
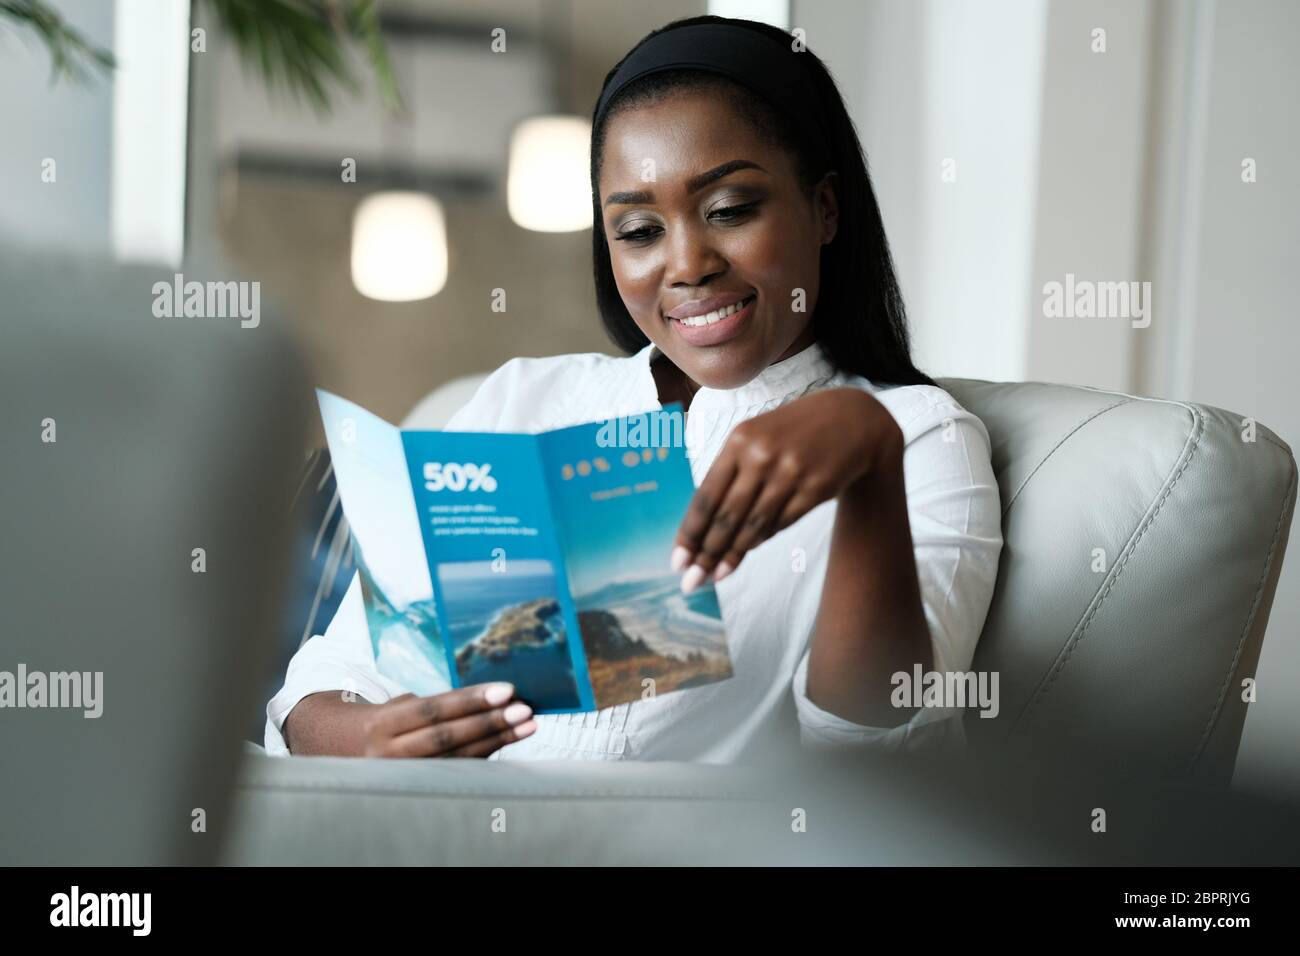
717 326
717 315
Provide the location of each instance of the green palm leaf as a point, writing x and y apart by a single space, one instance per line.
70 52
297 47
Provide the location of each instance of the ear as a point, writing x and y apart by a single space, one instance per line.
826 205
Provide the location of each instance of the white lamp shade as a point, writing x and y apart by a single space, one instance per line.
775 12
399 247
549 184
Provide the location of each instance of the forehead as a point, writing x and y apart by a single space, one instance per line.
682 133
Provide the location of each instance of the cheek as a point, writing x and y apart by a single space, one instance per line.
777 259
637 278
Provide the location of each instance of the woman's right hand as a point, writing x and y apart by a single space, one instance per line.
471 721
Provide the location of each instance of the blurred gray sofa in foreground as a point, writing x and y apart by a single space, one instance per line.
173 435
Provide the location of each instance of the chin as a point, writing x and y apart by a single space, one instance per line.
724 366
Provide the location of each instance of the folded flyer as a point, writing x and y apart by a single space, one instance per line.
536 559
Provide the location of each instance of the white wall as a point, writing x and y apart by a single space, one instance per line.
68 123
116 139
1089 203
150 103
936 81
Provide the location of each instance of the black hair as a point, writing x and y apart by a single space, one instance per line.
862 332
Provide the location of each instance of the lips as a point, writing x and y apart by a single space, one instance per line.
703 307
712 321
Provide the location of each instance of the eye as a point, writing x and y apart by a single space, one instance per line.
733 213
637 235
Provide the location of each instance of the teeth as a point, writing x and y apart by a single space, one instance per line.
717 315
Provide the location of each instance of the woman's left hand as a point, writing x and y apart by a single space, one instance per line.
775 468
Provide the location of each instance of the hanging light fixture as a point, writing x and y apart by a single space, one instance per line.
399 237
548 187
399 246
775 12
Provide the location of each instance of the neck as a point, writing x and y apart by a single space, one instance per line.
806 338
674 385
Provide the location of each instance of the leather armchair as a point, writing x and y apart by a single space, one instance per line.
1143 543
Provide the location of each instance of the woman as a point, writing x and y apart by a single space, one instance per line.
845 506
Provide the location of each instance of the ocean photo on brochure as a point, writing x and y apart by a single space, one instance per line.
619 510
508 625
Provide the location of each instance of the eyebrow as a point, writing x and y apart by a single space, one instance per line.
694 184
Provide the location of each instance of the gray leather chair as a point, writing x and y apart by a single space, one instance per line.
1143 543
1143 540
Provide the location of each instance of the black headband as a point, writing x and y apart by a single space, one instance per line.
761 62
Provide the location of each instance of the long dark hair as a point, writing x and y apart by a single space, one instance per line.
859 319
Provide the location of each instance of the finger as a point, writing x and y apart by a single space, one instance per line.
728 519
410 712
759 463
488 745
803 501
759 525
690 534
442 738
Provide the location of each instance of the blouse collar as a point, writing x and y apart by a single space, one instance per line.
789 377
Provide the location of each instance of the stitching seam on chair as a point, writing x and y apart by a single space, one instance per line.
1063 439
1250 620
1082 629
372 789
1278 444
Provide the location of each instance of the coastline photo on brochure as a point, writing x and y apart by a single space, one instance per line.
541 560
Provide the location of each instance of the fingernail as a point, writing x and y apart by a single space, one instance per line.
498 693
680 558
722 570
523 730
692 579
517 713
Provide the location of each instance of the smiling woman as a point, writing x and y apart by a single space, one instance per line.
845 505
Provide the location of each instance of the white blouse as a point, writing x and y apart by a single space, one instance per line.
769 603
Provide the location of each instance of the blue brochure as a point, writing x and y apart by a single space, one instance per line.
536 559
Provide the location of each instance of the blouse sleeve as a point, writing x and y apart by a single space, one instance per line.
954 510
338 660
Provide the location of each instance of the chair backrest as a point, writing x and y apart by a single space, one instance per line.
1142 545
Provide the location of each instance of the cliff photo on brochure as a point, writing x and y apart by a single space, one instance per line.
483 556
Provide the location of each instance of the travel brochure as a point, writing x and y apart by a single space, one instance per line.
536 559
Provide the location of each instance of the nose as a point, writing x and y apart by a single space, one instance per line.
692 258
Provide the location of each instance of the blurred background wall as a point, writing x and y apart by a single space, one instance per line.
1011 143
72 124
274 220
